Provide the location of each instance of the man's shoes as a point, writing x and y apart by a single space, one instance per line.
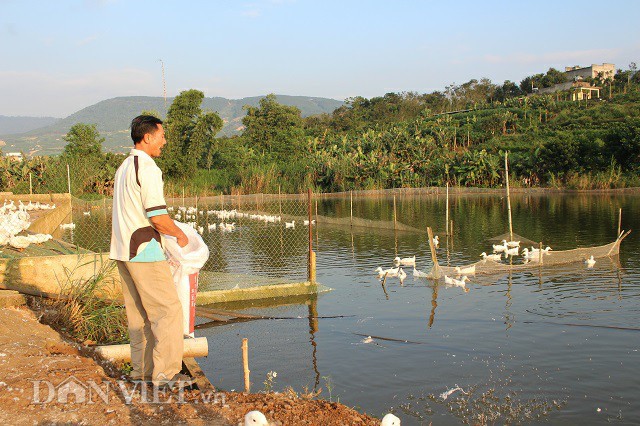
179 380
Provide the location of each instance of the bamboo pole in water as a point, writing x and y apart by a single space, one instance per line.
619 221
351 207
245 364
446 221
434 257
506 175
395 213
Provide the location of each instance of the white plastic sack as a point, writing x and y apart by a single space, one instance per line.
185 263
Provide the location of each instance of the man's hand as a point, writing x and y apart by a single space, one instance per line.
165 225
183 240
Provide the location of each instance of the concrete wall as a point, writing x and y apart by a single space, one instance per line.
608 70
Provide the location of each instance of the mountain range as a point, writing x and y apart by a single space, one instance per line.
43 135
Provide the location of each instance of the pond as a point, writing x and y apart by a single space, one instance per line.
559 345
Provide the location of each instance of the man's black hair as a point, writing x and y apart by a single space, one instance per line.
142 125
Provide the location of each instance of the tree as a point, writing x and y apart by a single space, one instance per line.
188 130
83 140
274 129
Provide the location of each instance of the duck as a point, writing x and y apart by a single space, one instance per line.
200 229
499 248
306 222
457 283
512 251
19 242
494 257
436 241
402 275
291 224
86 213
512 244
391 272
469 270
590 262
419 274
390 420
211 227
544 250
255 418
407 261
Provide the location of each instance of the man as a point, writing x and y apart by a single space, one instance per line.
154 312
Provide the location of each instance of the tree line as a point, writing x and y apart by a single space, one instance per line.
457 135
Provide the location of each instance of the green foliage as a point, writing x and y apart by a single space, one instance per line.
188 131
83 140
274 130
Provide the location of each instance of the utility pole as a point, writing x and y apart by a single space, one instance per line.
164 85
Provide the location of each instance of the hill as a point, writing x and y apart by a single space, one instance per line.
113 117
10 125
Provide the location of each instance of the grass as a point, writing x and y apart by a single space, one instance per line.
85 314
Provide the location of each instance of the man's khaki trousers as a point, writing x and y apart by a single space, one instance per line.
154 316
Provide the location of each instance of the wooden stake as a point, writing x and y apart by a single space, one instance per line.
245 364
619 221
68 180
351 217
395 213
312 272
540 253
446 220
434 257
506 174
279 200
31 186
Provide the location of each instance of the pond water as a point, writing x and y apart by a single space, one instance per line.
558 344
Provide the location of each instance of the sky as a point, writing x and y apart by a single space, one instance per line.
59 56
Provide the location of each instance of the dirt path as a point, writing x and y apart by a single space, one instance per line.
45 378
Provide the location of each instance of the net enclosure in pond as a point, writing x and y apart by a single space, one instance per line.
540 258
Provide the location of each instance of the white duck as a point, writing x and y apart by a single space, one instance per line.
391 272
544 250
19 242
499 248
512 244
512 251
469 270
457 283
494 257
436 241
255 418
406 261
390 420
419 274
590 262
291 224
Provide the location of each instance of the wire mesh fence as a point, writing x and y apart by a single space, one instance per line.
259 239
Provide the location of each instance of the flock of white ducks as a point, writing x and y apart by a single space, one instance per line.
190 216
15 219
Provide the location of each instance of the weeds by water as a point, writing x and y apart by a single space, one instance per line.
85 313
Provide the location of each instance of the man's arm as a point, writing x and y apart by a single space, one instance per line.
165 225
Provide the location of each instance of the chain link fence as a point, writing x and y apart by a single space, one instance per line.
254 240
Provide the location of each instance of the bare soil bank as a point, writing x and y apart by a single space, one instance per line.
48 379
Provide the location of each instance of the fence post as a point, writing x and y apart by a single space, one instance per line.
68 180
31 186
312 257
245 364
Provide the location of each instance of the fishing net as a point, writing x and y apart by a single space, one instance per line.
541 259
